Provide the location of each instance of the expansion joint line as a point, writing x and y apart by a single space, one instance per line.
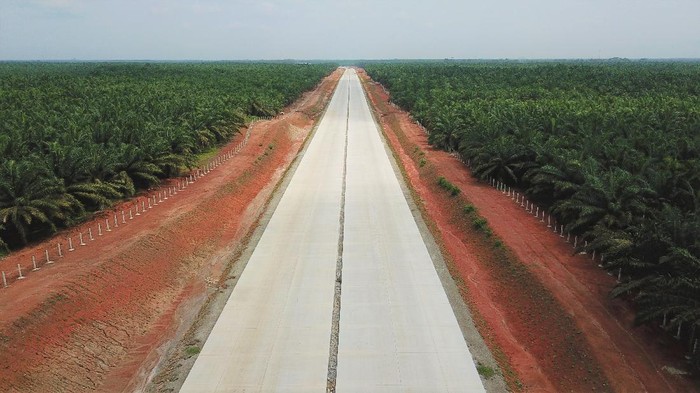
335 324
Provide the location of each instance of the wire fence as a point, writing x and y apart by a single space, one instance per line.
109 222
579 245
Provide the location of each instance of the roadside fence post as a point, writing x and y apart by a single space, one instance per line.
80 237
99 229
116 223
19 269
131 215
90 234
70 244
123 217
4 279
34 264
48 260
107 225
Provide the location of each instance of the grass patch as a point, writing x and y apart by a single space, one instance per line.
191 351
480 224
449 187
485 371
204 157
421 163
469 208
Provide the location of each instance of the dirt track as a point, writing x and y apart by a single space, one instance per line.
547 318
98 318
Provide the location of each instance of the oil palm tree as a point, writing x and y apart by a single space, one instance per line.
30 194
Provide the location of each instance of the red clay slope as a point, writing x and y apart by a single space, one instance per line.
95 319
512 322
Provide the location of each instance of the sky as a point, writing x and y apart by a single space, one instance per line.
348 29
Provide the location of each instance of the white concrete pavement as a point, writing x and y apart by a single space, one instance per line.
397 330
274 331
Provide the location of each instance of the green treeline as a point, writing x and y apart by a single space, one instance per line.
611 149
75 137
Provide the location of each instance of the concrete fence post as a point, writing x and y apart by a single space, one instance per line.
568 237
549 221
70 244
137 208
542 219
116 223
34 264
80 237
19 269
537 213
575 241
131 215
99 229
107 226
46 254
123 217
4 279
60 254
561 230
90 234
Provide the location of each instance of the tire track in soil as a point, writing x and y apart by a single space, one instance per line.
96 319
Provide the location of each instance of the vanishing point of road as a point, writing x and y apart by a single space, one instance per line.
340 293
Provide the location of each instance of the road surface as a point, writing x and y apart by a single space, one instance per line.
340 272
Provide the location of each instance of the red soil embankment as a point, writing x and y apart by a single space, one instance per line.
545 314
95 319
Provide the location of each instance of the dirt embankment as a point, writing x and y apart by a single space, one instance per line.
97 319
543 311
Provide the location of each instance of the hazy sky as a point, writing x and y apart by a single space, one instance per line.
350 29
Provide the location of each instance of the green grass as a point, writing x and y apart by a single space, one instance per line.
485 371
191 351
447 186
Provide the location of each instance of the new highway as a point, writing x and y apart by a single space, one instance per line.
340 293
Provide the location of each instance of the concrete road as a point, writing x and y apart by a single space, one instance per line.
396 330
